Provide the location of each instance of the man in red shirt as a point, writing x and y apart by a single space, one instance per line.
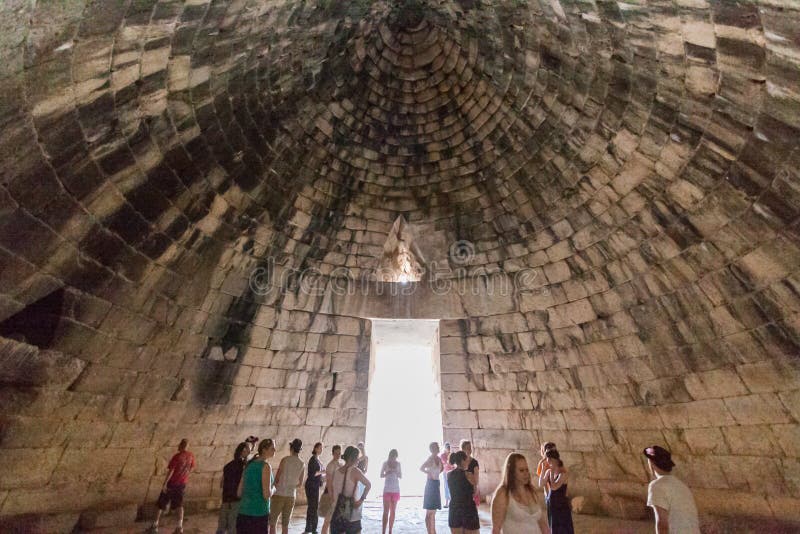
178 470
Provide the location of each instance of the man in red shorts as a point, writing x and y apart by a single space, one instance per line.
179 468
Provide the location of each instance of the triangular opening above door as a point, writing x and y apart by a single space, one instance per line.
401 260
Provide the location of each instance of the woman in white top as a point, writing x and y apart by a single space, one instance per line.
345 482
515 508
391 473
431 499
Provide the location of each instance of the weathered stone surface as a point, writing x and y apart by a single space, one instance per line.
599 201
25 365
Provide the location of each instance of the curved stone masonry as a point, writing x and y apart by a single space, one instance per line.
194 196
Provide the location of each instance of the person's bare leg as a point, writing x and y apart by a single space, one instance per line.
157 519
392 513
180 517
430 521
285 522
326 524
387 503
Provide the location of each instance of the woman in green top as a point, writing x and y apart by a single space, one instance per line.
255 490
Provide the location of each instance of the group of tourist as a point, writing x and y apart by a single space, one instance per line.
254 498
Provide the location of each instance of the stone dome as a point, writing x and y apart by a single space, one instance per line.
199 200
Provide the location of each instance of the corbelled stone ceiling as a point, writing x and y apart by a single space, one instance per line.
600 200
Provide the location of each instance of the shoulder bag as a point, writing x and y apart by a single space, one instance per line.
344 507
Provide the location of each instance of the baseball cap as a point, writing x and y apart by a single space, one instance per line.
660 456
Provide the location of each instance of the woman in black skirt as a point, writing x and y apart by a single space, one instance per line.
463 515
432 500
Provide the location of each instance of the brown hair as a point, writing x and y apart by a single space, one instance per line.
510 482
264 445
183 444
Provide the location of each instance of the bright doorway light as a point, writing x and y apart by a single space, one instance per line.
404 409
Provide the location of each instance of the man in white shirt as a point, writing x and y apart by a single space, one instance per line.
330 469
671 499
288 478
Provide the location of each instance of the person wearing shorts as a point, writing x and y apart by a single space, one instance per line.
178 470
231 476
391 472
288 479
463 513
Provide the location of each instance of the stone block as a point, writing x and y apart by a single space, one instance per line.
452 382
757 409
562 400
132 435
574 440
788 437
624 507
500 382
512 419
767 377
111 517
786 510
634 417
791 401
696 414
703 441
453 363
545 420
586 420
103 380
571 313
342 435
27 468
343 362
511 363
460 419
21 432
790 469
26 365
603 467
486 400
90 465
276 397
320 416
740 474
455 400
140 464
751 440
37 523
606 397
503 439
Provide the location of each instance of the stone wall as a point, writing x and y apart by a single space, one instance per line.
171 172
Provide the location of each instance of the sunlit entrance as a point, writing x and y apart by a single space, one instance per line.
404 410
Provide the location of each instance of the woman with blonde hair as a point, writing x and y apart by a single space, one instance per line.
515 508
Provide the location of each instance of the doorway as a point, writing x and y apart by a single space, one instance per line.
404 409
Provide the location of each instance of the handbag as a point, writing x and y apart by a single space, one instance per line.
344 507
325 504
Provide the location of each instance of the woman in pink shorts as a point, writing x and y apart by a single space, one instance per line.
391 473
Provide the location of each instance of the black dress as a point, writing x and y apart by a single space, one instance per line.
312 494
463 512
559 511
473 464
